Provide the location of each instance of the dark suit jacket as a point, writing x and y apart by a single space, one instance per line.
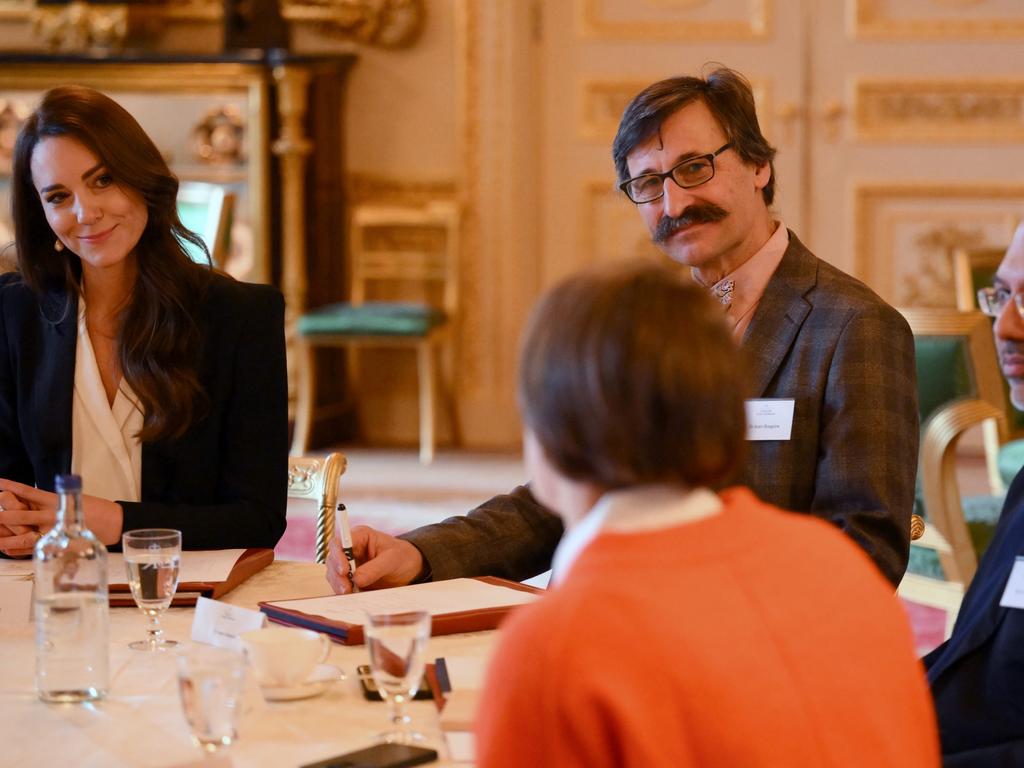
977 676
222 484
847 358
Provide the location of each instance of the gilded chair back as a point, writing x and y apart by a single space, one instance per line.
974 268
318 478
959 386
406 245
404 293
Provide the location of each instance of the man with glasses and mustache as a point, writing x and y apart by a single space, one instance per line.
977 676
830 366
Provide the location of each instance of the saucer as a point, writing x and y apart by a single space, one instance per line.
314 685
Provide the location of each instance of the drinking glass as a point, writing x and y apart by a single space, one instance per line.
397 643
211 682
152 557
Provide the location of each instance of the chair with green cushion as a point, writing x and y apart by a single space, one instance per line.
407 246
959 386
973 269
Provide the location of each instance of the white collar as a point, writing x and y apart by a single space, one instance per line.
632 510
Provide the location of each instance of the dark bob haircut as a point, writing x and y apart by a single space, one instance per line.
727 94
630 376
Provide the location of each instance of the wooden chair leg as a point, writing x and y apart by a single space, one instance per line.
446 374
306 398
425 369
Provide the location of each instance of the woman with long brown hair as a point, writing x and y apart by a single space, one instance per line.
158 380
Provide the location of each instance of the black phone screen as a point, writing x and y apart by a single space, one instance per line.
379 756
371 693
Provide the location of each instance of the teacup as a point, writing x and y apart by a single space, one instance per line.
284 656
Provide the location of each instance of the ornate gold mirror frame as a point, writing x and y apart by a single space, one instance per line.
79 24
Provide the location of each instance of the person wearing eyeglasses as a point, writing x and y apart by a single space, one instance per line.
977 675
833 409
683 627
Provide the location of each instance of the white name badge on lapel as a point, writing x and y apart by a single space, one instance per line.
770 418
220 624
1013 595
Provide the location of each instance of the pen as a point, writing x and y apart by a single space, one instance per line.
341 522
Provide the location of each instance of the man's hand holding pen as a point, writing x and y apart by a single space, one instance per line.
383 560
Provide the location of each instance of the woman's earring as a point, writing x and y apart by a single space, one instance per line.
58 246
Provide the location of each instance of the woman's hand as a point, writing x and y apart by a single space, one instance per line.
16 540
38 509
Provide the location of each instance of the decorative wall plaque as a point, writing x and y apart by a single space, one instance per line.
219 138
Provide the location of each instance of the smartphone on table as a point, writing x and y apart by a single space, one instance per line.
380 756
371 692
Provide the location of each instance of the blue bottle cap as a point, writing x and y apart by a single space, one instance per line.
68 483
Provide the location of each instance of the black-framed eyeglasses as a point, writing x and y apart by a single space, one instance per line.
688 173
993 300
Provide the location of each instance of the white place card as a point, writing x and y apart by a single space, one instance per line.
220 624
1013 595
15 603
770 418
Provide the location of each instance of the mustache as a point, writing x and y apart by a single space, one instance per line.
699 213
1007 348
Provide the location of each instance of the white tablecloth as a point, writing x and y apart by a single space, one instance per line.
141 722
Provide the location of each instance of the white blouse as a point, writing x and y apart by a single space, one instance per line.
637 509
105 451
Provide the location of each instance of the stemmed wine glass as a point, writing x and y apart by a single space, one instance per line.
398 644
152 557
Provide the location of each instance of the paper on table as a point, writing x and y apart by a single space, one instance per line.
436 597
466 671
204 566
16 569
461 746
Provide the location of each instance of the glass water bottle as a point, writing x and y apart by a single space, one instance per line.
71 609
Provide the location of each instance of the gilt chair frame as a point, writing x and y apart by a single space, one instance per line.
318 478
944 427
382 266
994 433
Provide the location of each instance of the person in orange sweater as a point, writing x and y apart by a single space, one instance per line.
684 627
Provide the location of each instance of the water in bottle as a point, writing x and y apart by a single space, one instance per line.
71 613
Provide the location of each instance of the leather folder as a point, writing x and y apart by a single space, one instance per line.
250 561
348 633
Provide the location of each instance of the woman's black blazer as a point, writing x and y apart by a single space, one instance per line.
222 484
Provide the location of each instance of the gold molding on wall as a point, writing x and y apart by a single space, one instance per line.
986 109
384 23
602 103
377 188
870 197
756 26
594 193
868 20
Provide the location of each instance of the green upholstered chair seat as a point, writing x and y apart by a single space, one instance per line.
378 318
1010 460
